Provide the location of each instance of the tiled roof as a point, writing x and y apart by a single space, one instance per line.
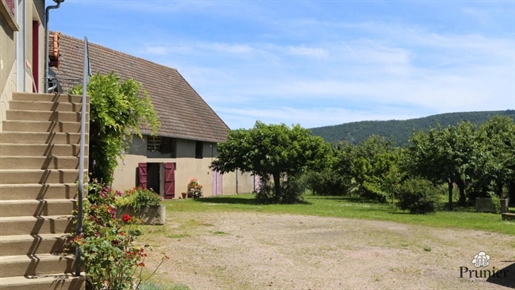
182 112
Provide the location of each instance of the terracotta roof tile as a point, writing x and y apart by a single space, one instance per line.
182 112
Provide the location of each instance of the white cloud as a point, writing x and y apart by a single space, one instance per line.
157 50
317 53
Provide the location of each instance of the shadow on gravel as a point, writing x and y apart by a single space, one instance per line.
504 277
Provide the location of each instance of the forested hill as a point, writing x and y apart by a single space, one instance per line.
356 132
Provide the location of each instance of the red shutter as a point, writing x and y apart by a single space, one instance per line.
169 180
142 174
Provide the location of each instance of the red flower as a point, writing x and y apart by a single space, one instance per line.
126 217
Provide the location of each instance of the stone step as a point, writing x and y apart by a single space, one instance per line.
46 106
42 126
15 208
41 138
35 225
22 176
38 191
39 162
47 97
43 116
36 265
8 149
46 282
34 244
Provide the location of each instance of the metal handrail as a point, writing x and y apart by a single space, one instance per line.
85 81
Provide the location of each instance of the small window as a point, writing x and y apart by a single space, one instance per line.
169 146
153 143
199 150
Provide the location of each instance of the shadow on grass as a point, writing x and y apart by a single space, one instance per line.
238 200
354 199
228 200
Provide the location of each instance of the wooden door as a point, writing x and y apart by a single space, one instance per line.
217 184
169 180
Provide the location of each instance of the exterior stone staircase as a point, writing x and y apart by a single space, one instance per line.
39 168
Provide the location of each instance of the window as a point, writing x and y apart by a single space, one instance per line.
153 143
164 145
169 146
199 149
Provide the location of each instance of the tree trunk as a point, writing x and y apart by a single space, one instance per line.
511 193
449 182
463 198
277 185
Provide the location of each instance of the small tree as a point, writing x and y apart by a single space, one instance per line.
272 150
117 111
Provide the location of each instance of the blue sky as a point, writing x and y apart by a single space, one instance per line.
317 63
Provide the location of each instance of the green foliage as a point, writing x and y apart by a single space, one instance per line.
357 132
373 165
137 198
111 258
417 195
117 111
327 182
272 150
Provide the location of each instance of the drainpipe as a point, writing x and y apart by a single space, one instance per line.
47 14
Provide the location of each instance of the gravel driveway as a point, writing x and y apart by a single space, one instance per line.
272 251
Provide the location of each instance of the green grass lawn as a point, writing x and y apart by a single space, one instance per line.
348 207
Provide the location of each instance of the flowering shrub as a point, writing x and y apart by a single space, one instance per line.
138 197
112 259
194 188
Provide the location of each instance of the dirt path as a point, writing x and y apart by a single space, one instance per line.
266 251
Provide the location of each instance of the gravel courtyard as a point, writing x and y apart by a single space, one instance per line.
276 251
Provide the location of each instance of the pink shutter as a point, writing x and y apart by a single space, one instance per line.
169 180
217 183
142 175
257 183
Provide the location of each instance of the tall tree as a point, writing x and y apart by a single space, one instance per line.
373 165
272 150
496 163
445 154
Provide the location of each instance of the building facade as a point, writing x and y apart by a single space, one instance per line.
186 142
22 42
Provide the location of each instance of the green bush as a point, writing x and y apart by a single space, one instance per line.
290 192
327 182
417 195
137 198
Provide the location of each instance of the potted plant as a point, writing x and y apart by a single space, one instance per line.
142 203
194 188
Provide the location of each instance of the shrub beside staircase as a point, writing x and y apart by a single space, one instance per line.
39 168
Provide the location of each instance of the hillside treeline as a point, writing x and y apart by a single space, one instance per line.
400 131
479 161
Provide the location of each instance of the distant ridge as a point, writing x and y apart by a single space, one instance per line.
355 132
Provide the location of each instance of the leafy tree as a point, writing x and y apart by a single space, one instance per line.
118 110
445 154
495 163
272 150
373 165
